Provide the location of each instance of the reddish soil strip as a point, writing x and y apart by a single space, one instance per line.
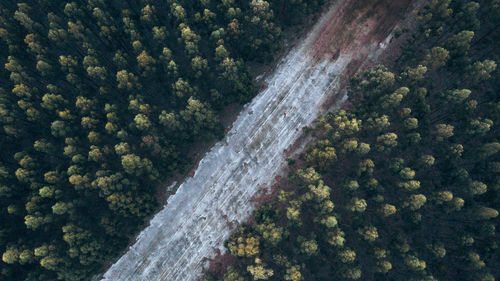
358 24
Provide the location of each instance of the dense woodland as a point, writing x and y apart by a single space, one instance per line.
403 185
102 100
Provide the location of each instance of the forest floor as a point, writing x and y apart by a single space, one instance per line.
220 194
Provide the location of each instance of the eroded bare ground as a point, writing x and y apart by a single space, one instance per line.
358 24
207 206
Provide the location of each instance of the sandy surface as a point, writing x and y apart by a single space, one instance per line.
207 206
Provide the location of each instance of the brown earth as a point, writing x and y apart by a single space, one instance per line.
372 21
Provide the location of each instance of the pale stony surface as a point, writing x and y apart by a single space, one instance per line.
194 223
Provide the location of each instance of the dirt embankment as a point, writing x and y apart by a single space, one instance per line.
357 24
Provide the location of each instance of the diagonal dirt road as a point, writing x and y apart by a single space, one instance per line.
198 218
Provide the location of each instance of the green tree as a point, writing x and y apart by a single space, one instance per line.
358 205
347 256
481 70
309 247
459 43
436 58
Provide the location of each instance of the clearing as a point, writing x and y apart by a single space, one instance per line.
200 216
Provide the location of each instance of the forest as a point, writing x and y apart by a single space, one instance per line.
100 103
403 183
